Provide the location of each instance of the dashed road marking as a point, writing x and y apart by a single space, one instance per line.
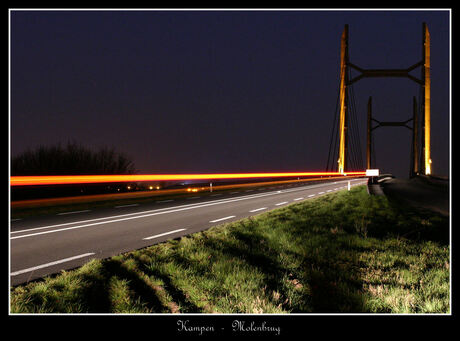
132 205
225 218
163 234
50 264
73 212
258 209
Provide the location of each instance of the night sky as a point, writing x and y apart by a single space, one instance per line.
220 91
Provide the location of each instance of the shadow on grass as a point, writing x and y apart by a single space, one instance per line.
95 297
248 249
418 224
177 295
140 288
317 286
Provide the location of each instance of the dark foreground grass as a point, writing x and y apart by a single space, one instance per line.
344 252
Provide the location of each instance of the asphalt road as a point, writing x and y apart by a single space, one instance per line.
47 245
419 192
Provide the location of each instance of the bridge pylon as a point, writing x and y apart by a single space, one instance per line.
422 165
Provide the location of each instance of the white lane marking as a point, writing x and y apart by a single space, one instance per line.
311 195
298 199
225 218
181 207
321 193
258 209
234 192
73 212
163 234
335 189
162 201
132 205
192 198
281 203
215 195
50 264
142 214
329 190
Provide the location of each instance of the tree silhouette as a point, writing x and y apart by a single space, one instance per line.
73 159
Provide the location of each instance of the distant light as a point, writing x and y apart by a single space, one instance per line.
150 187
129 187
158 187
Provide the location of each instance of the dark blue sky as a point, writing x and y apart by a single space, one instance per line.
220 91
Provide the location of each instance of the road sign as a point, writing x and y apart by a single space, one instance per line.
372 172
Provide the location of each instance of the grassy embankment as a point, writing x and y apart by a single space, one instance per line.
343 252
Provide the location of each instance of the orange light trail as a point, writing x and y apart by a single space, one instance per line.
83 179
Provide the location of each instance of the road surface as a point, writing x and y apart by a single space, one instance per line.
46 245
420 192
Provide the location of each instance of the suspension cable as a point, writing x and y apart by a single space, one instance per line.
354 150
334 133
355 129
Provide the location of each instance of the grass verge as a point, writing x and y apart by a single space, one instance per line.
343 252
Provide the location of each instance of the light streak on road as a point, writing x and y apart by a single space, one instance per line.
81 179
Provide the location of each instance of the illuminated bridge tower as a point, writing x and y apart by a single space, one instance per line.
424 164
343 117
